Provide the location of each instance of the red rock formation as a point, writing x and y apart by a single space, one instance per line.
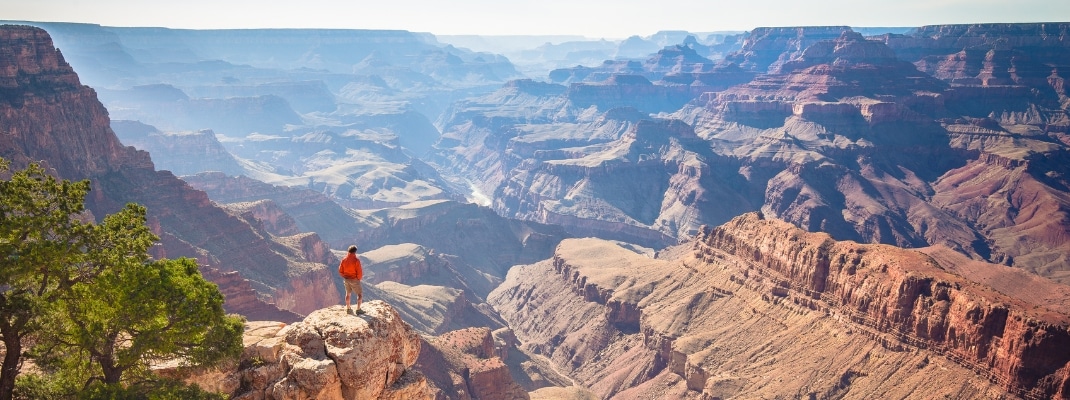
464 364
268 215
242 299
986 54
909 295
699 319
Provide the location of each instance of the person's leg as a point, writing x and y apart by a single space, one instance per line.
360 294
349 290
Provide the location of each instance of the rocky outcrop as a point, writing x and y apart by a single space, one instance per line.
664 82
329 354
51 119
857 137
657 182
182 153
766 49
267 214
696 320
986 54
242 299
629 91
465 364
822 136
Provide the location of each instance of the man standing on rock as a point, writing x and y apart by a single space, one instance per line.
352 273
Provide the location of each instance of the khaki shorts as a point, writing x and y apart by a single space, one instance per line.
353 286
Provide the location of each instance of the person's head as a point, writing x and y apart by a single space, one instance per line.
353 249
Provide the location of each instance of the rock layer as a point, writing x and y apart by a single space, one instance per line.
465 364
761 308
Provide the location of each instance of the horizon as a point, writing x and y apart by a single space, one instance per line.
528 18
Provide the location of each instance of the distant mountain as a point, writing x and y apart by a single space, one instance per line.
537 55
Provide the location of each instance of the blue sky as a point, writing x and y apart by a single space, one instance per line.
609 19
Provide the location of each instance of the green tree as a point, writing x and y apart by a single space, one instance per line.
89 297
143 314
43 248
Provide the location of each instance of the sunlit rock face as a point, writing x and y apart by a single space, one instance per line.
329 354
872 320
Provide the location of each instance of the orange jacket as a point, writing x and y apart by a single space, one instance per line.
350 267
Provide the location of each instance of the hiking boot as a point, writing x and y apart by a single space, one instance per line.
350 310
361 312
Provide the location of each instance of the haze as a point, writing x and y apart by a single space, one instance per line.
609 19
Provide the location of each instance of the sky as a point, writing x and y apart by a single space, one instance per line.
594 19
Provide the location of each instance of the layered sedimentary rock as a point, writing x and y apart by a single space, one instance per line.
765 49
329 354
48 117
182 153
986 54
853 141
882 140
462 234
311 211
466 364
433 309
652 184
242 299
664 82
852 320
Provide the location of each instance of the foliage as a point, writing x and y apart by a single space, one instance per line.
45 249
100 312
55 387
143 314
44 387
159 390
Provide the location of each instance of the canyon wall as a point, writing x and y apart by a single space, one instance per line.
760 307
50 118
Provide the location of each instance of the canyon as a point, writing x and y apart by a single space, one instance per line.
758 307
805 212
51 119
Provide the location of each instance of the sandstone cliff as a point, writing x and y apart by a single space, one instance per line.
761 308
49 117
328 355
467 364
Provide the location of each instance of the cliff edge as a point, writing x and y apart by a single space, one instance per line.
328 355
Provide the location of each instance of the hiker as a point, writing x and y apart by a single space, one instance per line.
352 273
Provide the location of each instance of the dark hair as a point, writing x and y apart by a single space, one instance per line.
353 249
